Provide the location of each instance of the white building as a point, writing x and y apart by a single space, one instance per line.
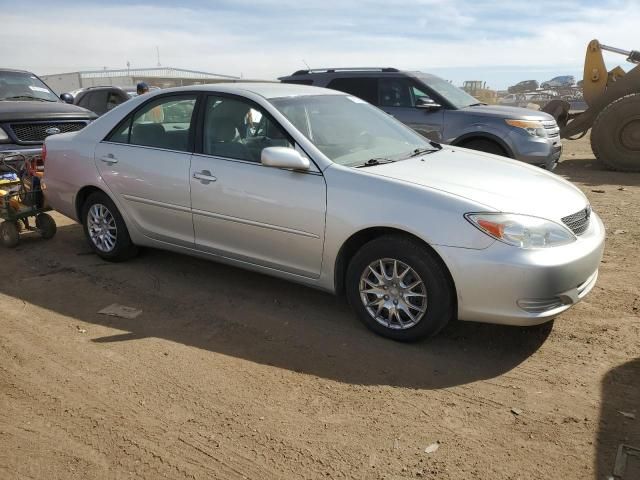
163 77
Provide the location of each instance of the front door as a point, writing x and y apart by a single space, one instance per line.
145 163
248 212
398 97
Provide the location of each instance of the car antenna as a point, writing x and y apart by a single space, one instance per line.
306 64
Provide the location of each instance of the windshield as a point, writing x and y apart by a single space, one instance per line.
24 86
348 130
456 96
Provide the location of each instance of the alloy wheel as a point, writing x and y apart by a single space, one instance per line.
102 228
393 294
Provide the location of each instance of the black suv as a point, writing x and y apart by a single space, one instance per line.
30 112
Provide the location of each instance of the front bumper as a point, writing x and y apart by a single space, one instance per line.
543 152
507 285
8 150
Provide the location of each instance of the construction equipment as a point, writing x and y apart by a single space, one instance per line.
478 89
21 197
613 113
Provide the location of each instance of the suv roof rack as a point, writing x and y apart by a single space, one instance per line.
355 69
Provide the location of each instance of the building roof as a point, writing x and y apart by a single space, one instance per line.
159 72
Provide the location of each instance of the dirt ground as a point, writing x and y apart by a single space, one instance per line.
229 374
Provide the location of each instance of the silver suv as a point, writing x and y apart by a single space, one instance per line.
444 113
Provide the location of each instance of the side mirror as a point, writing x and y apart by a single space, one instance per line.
284 157
427 103
66 98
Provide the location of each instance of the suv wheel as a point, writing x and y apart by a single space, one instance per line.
484 145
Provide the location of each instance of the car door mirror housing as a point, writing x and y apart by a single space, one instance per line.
427 103
66 98
284 157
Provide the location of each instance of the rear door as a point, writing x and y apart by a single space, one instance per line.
145 163
398 97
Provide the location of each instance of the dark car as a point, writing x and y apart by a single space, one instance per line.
30 111
524 86
101 99
560 82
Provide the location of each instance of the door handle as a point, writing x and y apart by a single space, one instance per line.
204 176
109 158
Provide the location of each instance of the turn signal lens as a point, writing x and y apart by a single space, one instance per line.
4 138
532 127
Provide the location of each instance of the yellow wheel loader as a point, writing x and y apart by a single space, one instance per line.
613 113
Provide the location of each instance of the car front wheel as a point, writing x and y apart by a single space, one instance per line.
105 229
400 289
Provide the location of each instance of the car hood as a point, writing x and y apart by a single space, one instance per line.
507 112
13 111
495 183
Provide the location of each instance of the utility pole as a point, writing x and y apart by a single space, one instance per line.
158 52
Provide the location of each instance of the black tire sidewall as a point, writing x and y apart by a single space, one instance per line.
440 292
124 248
47 226
485 145
11 231
604 131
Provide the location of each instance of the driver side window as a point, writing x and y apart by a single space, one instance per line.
237 129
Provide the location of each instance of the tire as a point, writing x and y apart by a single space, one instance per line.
9 234
438 302
615 135
107 235
485 145
46 225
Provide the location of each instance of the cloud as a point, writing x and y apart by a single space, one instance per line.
268 38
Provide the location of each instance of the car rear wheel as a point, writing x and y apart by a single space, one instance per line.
400 289
105 229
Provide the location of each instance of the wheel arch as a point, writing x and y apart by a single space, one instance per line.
467 137
351 246
82 196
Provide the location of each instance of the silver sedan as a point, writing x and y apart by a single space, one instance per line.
323 189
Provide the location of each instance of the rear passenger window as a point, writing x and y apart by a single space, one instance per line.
362 87
164 123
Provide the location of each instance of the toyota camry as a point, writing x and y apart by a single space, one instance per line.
323 189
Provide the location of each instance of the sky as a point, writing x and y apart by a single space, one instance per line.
500 42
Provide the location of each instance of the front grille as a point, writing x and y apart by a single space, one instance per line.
37 132
552 129
579 221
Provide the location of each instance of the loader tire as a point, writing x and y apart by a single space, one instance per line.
615 136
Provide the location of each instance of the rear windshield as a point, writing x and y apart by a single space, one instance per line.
24 86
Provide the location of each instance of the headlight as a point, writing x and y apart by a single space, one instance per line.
4 138
522 230
532 127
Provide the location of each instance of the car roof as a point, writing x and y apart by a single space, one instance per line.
355 72
264 89
15 71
